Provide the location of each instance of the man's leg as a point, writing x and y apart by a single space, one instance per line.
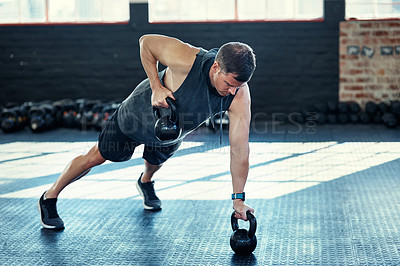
157 156
149 170
76 169
146 187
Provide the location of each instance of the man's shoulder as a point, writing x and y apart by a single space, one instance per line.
242 100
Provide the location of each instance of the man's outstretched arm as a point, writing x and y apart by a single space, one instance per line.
239 123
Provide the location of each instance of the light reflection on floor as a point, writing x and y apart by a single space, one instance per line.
196 172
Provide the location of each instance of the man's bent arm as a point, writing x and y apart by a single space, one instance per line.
239 123
171 52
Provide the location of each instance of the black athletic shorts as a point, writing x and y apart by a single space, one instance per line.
115 146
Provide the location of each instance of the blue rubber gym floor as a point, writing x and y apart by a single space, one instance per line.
326 195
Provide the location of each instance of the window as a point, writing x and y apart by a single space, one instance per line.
63 11
234 10
373 9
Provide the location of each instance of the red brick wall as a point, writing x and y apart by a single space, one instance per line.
369 61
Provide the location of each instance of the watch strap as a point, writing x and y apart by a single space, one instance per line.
238 196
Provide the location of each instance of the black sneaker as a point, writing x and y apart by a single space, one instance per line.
150 199
48 213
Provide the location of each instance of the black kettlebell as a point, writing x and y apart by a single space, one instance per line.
37 121
243 242
13 119
167 127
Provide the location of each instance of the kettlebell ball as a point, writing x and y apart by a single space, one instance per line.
243 242
167 127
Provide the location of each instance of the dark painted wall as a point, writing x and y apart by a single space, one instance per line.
297 61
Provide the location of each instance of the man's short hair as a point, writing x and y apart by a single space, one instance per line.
237 58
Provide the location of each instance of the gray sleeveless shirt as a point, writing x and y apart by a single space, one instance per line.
196 101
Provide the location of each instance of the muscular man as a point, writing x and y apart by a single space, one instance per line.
203 83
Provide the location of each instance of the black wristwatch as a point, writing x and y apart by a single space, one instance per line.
238 196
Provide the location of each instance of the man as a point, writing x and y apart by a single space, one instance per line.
202 83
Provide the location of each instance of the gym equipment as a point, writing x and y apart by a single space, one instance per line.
332 118
321 118
11 105
13 119
85 113
59 108
243 242
321 107
354 107
69 115
365 118
167 127
389 120
343 118
377 118
395 107
353 118
343 107
371 108
37 119
42 117
98 115
383 107
100 118
332 106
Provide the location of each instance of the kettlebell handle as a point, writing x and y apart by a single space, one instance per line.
36 109
251 218
174 110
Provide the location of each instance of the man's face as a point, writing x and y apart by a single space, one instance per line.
225 83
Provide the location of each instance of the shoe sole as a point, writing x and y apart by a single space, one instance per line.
41 221
144 205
